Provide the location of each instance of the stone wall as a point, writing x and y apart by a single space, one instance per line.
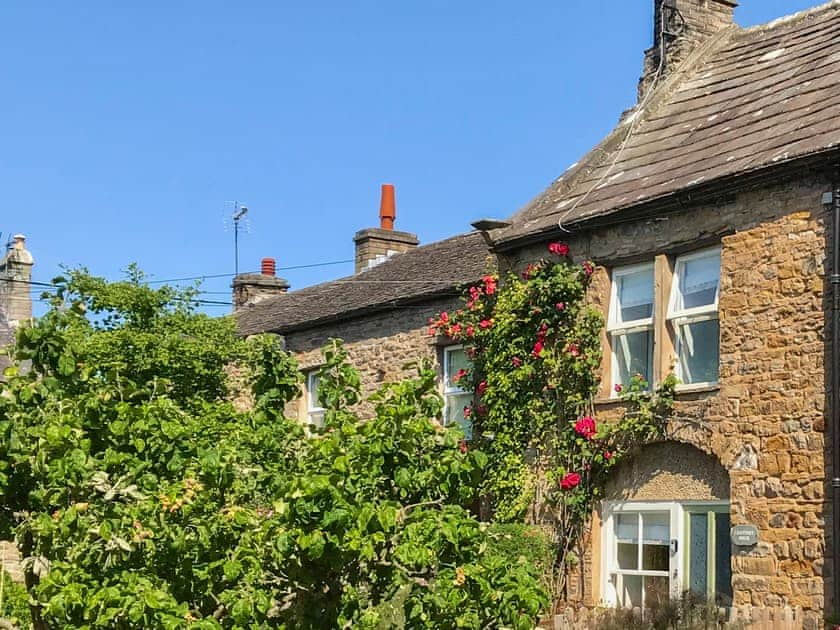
381 346
765 423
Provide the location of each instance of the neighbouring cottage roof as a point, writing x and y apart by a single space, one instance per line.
746 100
427 271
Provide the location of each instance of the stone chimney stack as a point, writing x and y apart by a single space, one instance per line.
679 26
375 245
15 290
252 288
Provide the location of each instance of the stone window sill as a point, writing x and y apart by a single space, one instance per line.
682 392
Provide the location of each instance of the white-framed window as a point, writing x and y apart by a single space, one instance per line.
655 551
314 411
630 323
455 397
693 313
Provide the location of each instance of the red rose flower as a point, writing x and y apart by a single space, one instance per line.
569 481
588 269
484 324
455 330
489 285
444 317
574 349
459 375
558 249
538 348
586 427
462 446
517 361
470 331
482 387
467 411
618 388
607 455
560 306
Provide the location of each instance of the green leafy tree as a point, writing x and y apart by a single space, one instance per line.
141 498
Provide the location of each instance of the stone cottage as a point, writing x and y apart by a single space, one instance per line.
709 212
381 312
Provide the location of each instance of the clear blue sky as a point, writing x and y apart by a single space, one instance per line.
125 127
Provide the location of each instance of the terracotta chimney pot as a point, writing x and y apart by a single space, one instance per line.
268 267
387 208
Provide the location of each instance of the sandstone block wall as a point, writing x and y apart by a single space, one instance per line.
381 346
766 421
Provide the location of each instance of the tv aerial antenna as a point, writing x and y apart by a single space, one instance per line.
240 223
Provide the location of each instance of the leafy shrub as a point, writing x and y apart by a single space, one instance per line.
515 543
146 500
14 603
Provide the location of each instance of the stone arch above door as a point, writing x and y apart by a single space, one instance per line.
669 471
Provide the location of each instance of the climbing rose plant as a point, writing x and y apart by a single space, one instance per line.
535 346
142 497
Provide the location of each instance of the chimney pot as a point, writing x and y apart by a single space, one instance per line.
268 267
20 241
387 208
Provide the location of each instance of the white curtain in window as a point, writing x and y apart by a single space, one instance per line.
700 274
636 289
656 528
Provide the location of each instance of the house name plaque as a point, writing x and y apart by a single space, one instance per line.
744 535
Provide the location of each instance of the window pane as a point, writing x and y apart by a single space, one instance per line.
627 533
313 385
656 528
723 562
631 592
628 556
627 527
634 355
699 281
456 360
657 593
635 296
699 351
317 418
698 568
655 557
656 539
455 404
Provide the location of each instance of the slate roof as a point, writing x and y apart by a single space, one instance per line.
746 100
439 268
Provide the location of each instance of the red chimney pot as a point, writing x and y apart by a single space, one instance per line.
387 208
269 267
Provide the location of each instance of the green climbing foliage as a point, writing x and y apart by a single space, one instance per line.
535 346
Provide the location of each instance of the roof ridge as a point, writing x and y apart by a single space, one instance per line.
793 17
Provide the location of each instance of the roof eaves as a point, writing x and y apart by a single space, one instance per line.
678 200
358 313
